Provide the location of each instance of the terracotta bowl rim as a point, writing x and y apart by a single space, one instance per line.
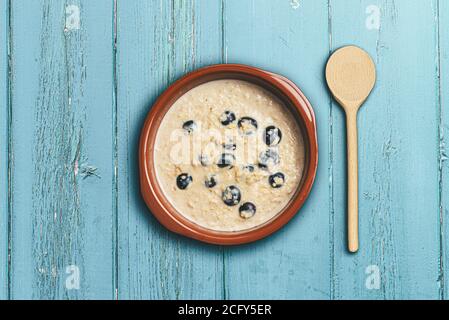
151 191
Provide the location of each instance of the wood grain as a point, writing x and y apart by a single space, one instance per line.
399 219
80 97
294 263
351 75
61 95
158 41
352 181
4 147
443 129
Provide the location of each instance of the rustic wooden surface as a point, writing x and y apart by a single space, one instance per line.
73 98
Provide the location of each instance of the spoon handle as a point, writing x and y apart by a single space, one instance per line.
353 215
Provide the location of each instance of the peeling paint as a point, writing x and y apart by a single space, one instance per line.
89 171
388 149
59 119
443 152
76 168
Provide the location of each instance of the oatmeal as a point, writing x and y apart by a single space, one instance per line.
229 155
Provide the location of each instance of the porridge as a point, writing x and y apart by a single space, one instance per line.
229 156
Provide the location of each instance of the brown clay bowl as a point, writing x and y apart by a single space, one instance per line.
281 87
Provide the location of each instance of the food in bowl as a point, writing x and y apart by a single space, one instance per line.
229 155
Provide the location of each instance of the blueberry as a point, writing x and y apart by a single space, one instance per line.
204 160
211 181
231 196
277 180
247 210
269 157
247 125
227 118
249 168
272 135
262 166
226 160
183 181
189 126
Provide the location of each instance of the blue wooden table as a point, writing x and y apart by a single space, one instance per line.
77 78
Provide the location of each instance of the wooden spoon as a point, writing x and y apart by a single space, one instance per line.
351 75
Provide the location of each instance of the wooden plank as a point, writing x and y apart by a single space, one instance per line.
443 86
159 41
290 38
4 144
61 131
398 152
65 119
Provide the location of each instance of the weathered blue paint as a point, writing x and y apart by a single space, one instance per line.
4 146
398 144
443 85
295 262
158 41
74 102
61 123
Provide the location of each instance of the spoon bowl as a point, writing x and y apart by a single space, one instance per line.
351 75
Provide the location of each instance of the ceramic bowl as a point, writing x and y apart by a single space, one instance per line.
278 85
